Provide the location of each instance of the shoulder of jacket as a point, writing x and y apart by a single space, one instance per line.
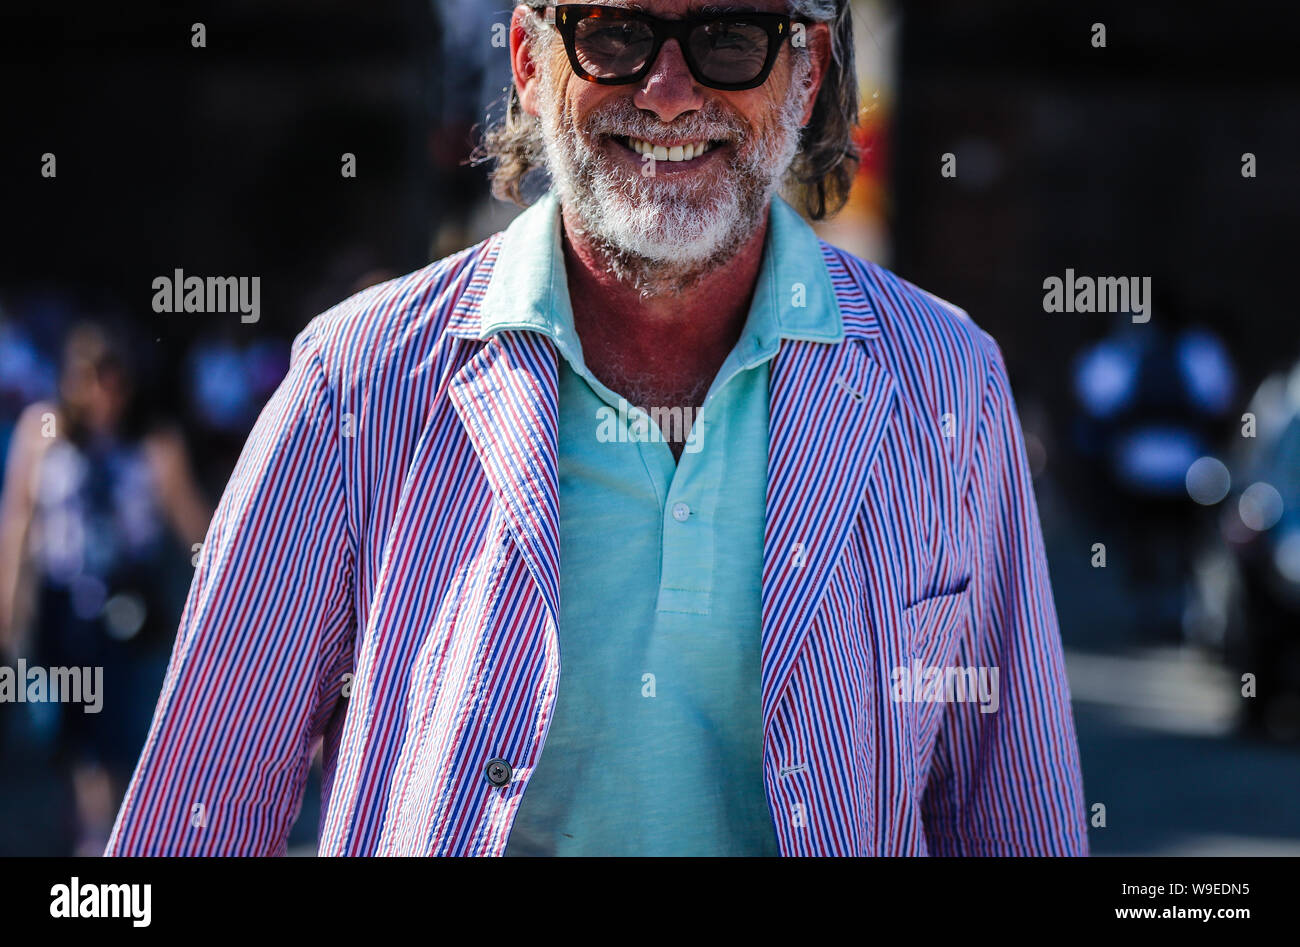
925 341
940 360
392 322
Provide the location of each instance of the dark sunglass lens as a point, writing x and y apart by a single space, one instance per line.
612 47
728 51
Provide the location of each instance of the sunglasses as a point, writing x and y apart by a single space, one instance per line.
619 46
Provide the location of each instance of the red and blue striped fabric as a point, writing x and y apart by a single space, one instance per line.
382 574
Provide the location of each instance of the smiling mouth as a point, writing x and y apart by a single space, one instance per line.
685 151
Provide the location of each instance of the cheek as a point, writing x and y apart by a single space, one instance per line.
758 108
557 83
583 98
777 88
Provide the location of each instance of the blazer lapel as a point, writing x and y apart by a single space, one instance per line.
506 397
829 408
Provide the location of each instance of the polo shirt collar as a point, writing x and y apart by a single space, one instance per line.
794 297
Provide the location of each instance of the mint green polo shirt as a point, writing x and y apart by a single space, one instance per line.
656 744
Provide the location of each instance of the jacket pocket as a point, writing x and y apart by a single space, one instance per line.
933 626
932 623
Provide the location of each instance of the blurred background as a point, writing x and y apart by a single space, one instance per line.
1166 454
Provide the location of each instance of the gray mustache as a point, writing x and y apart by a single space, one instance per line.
622 120
692 132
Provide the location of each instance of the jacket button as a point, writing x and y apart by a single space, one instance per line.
498 772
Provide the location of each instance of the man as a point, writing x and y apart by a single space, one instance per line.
650 526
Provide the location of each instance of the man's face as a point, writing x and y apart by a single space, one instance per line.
675 209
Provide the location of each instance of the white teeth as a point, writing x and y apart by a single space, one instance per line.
664 153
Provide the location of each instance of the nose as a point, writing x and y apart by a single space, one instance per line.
669 89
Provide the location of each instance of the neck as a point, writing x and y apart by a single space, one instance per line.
674 311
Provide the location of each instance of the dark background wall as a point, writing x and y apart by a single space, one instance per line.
1124 160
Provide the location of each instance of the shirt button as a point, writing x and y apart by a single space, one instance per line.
498 772
681 512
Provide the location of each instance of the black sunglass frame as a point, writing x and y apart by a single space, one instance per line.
566 16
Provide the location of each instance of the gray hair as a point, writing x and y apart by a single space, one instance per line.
822 171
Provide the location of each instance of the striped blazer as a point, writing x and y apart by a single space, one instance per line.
382 573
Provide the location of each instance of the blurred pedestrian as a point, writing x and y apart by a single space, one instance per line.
89 495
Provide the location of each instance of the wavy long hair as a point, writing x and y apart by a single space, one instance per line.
822 171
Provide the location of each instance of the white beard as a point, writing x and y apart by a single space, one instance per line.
656 231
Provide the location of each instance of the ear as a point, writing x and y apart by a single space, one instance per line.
819 48
522 62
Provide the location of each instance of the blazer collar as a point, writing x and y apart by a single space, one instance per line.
829 410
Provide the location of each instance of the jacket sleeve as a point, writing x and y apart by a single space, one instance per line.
263 645
1007 782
